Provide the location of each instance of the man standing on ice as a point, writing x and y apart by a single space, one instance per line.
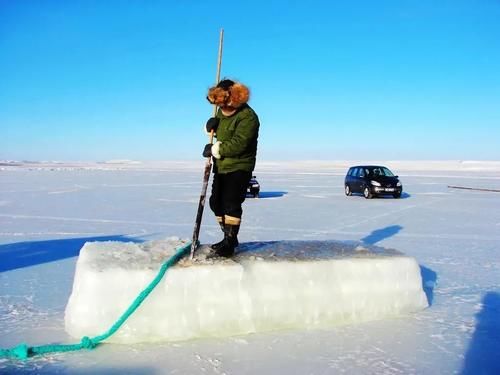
236 127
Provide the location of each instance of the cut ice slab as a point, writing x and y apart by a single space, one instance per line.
266 286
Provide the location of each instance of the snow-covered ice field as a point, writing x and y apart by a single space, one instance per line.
48 211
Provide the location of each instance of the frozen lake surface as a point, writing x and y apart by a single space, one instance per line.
48 211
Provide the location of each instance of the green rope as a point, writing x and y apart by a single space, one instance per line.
23 351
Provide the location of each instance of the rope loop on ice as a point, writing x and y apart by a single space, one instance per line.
18 352
87 343
23 351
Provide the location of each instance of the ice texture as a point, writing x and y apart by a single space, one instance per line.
268 286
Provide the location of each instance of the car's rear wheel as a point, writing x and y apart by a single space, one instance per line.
367 193
348 191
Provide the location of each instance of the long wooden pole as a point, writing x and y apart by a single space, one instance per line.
208 163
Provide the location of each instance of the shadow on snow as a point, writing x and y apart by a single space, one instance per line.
30 253
429 279
43 367
404 195
272 194
482 354
381 234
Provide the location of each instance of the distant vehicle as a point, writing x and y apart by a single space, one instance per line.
372 180
253 187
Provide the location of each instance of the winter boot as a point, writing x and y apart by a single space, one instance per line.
219 244
229 243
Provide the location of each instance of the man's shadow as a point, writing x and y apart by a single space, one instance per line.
484 348
30 253
270 194
381 234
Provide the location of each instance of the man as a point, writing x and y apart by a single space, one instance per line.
236 128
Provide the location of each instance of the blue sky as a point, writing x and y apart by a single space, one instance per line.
365 80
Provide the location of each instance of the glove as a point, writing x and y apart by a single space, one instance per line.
212 124
212 150
207 151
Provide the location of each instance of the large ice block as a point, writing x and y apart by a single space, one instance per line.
267 286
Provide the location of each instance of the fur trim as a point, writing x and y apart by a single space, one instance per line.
216 150
218 96
240 94
237 95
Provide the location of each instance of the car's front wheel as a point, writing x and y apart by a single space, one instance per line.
367 193
396 195
348 191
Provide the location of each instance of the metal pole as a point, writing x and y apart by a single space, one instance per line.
208 163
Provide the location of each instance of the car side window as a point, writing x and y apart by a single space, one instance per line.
355 172
361 172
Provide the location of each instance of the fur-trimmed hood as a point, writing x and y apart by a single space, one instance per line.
228 93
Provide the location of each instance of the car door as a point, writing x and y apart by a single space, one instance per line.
350 178
361 179
356 180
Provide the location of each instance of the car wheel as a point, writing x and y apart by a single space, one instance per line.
396 195
348 191
367 193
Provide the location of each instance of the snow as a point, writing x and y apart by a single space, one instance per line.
49 211
266 287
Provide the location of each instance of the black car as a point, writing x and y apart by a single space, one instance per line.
253 187
372 180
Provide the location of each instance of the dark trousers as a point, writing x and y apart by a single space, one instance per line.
228 193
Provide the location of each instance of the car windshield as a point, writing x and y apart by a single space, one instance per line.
380 171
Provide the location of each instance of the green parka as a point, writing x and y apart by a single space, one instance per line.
238 135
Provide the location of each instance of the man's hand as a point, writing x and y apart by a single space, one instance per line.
212 124
212 150
207 151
